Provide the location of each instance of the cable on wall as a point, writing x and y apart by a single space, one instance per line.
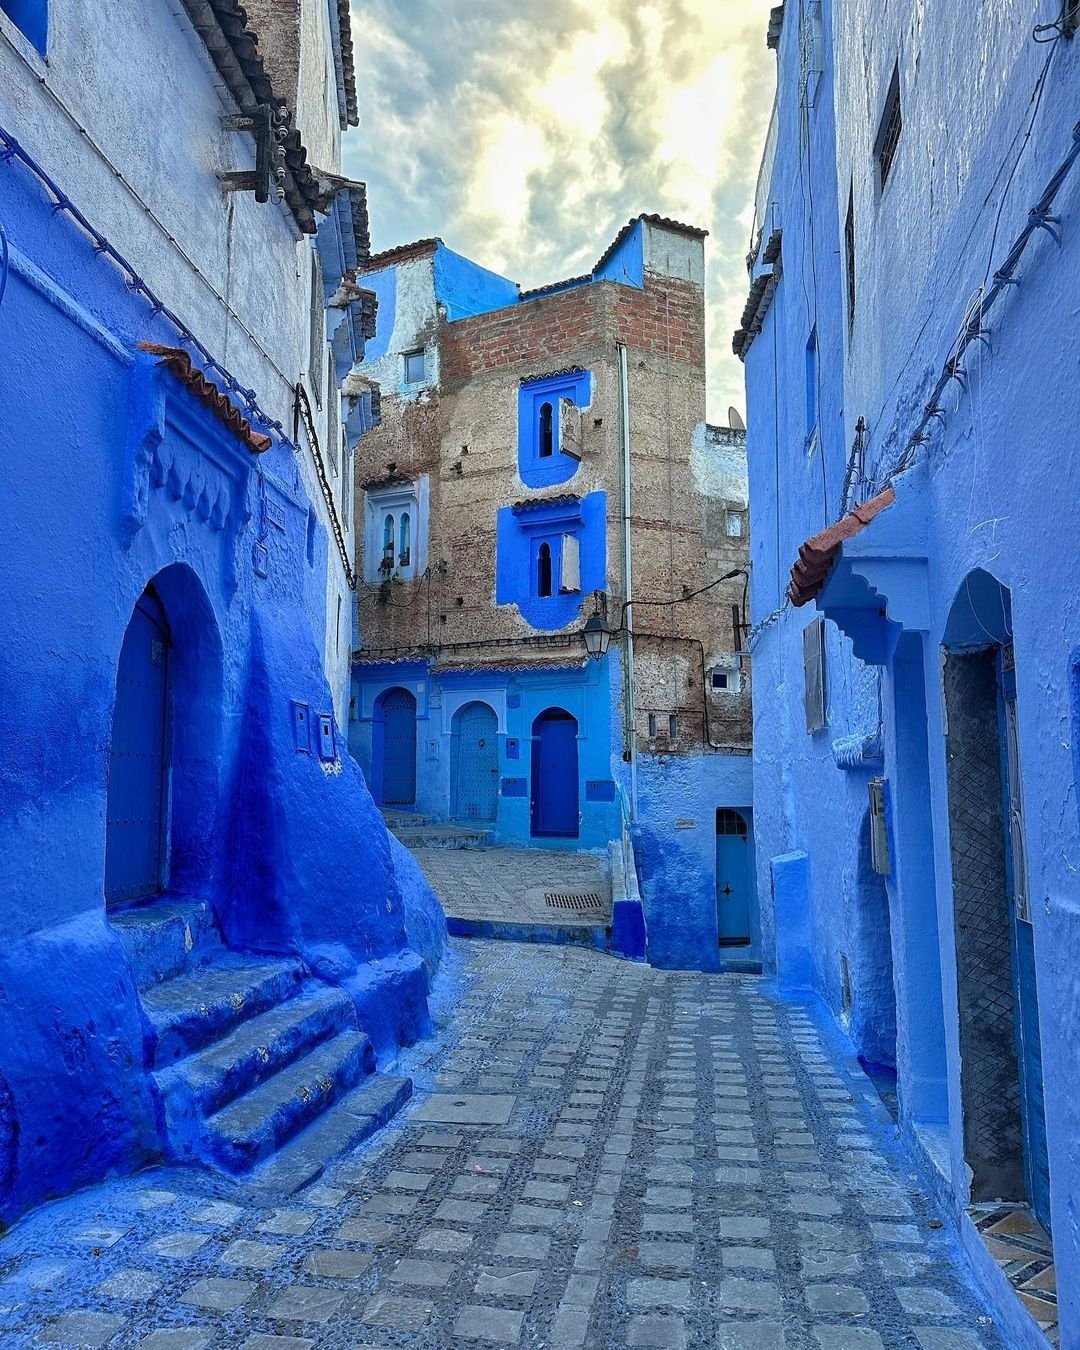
11 149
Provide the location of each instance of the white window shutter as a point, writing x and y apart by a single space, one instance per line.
569 429
570 579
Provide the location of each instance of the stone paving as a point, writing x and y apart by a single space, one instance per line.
508 885
598 1154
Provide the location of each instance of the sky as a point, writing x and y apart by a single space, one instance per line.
525 134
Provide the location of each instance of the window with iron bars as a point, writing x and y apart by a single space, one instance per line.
849 256
889 128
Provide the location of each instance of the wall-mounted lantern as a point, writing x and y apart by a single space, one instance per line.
596 635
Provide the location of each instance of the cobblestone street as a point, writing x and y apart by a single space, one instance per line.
510 885
597 1154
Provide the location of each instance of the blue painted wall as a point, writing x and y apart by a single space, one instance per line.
517 697
517 533
115 476
464 288
675 846
994 489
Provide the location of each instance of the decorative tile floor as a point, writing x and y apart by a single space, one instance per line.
598 1154
1022 1248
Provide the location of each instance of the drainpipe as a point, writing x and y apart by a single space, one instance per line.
628 581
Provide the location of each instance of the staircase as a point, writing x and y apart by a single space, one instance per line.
425 832
258 1067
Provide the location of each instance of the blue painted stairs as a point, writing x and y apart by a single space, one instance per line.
258 1067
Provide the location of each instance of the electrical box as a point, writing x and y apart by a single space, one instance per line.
301 726
326 737
513 747
879 832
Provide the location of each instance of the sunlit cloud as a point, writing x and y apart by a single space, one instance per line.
525 137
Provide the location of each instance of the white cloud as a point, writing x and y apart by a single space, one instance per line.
526 136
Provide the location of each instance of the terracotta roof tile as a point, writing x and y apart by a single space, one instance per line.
180 366
818 554
348 65
400 253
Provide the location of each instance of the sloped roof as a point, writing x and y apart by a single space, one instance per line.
179 364
818 554
234 49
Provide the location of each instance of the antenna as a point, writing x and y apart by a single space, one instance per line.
734 419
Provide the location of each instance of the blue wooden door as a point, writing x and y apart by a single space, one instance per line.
555 775
732 879
1028 1034
476 766
134 812
399 748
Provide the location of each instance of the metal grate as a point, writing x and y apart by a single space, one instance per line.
578 901
989 1078
849 256
888 136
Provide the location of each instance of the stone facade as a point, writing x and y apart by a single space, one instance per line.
457 453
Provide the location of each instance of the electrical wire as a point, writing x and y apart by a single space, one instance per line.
11 149
4 259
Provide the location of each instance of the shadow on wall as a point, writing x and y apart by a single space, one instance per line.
873 1007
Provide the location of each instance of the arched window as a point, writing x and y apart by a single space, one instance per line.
543 570
405 540
387 544
547 431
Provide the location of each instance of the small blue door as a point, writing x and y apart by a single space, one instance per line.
399 748
732 879
476 763
134 811
555 775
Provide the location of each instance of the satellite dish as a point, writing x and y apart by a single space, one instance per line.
734 420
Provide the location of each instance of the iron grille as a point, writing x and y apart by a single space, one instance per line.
730 822
879 833
891 125
578 901
849 256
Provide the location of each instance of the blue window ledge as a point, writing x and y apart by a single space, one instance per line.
520 531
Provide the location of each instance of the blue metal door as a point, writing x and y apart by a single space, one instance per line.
476 766
555 775
399 748
1028 1034
137 760
732 879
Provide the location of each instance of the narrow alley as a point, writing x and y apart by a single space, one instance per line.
597 1154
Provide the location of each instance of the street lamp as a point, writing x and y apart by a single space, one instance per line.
597 635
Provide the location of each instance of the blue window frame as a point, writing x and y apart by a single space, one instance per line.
547 452
31 17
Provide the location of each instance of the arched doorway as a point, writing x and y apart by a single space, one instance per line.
396 713
1001 1078
475 768
135 814
732 879
555 775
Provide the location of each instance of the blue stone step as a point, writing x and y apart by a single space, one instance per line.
166 937
212 1077
203 1005
357 1116
253 1126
